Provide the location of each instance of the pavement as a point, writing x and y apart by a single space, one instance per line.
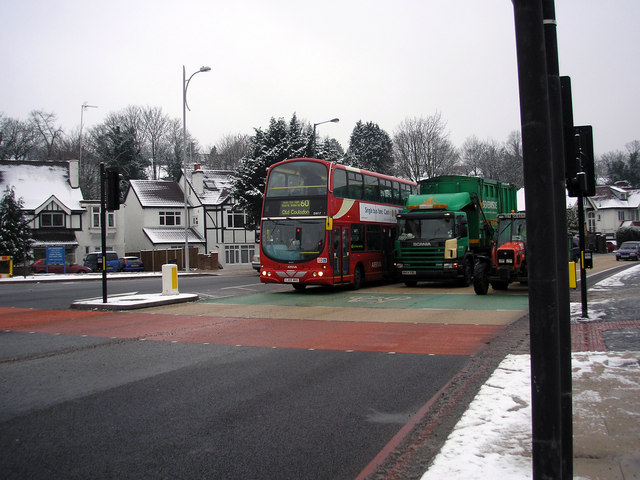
606 379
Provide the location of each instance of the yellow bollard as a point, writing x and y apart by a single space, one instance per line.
572 275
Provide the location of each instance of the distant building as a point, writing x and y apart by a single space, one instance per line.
610 207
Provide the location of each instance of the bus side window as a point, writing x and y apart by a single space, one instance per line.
355 185
371 188
340 183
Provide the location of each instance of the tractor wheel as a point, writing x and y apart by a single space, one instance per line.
481 278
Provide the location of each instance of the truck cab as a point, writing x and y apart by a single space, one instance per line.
433 243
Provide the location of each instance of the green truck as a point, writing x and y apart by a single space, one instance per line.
452 221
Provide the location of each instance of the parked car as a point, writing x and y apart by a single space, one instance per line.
40 266
93 261
611 246
255 262
628 251
131 264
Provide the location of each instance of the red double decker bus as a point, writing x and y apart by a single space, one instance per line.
328 224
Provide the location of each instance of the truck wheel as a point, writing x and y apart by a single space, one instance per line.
467 273
410 283
480 279
499 285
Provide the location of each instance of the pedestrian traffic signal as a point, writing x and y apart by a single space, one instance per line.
113 188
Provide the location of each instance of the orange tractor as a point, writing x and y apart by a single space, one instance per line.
508 261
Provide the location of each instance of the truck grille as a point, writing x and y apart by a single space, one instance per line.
421 257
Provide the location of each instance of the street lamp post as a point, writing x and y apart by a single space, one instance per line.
333 120
185 106
84 106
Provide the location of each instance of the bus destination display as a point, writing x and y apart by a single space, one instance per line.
299 207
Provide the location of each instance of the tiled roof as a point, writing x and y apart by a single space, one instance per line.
158 193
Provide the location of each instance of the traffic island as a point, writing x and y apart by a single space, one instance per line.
132 302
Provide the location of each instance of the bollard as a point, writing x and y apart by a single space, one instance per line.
572 275
170 279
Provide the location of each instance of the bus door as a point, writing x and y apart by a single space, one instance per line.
340 252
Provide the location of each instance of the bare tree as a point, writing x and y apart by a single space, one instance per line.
155 126
471 155
231 148
18 139
483 158
513 172
50 135
489 159
422 148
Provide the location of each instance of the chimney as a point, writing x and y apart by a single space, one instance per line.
74 173
197 180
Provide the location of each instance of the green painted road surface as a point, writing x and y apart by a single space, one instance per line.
434 301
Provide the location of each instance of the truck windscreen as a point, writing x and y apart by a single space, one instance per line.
425 228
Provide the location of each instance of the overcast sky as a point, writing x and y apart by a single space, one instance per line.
373 60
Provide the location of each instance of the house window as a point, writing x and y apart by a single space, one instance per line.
170 219
236 219
621 215
52 219
238 253
591 220
95 218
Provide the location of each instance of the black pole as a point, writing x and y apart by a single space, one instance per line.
103 230
559 190
542 202
583 271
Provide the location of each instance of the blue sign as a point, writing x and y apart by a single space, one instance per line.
55 256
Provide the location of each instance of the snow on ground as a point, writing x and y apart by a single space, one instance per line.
493 437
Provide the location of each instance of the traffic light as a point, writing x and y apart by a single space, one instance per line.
578 149
113 188
583 136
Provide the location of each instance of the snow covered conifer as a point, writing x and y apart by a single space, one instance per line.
15 236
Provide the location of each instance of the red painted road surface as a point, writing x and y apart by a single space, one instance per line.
258 332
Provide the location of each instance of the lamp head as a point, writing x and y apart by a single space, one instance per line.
205 69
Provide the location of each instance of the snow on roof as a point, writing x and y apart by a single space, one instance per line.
36 182
158 193
217 185
171 235
602 202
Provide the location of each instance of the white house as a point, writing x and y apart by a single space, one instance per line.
610 207
154 217
51 198
90 237
213 215
56 211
